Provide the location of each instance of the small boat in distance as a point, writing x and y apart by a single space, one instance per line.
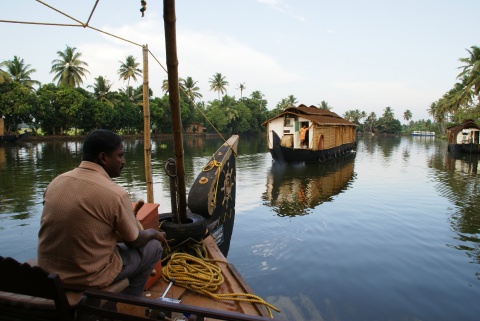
15 139
11 138
326 135
464 138
422 133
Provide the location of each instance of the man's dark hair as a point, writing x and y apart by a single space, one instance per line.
100 140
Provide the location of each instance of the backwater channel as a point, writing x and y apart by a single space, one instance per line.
391 233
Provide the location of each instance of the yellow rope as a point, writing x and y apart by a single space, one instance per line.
211 165
197 275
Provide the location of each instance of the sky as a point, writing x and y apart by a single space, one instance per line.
365 55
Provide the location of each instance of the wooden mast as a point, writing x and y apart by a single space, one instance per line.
146 128
174 98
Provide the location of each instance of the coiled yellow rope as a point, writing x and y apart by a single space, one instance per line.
203 277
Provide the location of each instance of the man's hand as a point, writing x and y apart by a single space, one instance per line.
162 237
144 236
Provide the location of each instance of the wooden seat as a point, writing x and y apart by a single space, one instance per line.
28 292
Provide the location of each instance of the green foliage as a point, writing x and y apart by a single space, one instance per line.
16 105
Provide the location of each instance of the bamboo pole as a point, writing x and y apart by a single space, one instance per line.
146 128
174 98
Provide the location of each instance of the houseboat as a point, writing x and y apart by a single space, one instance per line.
422 133
326 135
464 138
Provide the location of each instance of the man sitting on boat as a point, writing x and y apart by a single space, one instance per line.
83 210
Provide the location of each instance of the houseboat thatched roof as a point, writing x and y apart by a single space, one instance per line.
314 114
454 130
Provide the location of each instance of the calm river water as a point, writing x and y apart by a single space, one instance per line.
389 234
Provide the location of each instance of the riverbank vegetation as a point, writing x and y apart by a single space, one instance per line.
65 106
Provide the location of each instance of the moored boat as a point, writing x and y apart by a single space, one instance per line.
327 135
422 133
464 137
15 139
11 138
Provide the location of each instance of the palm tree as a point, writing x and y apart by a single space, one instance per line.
388 113
285 103
165 85
129 69
190 88
218 84
242 87
471 69
69 69
370 121
19 72
101 90
355 116
291 101
325 105
407 115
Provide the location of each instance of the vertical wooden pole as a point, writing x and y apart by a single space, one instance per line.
174 97
146 128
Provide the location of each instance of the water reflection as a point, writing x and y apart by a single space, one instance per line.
460 183
297 189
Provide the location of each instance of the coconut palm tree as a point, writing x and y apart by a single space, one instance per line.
370 121
242 87
291 101
471 69
190 88
355 116
165 85
69 69
325 105
407 115
19 72
129 69
388 113
101 90
218 84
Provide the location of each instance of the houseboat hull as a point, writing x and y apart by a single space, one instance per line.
282 154
469 148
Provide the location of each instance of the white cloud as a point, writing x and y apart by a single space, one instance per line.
282 7
200 55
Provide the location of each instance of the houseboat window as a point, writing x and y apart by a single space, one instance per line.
288 122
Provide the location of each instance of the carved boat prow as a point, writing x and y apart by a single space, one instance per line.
212 195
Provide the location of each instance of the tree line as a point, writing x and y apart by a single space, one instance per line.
64 105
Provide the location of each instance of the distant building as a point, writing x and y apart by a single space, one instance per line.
195 128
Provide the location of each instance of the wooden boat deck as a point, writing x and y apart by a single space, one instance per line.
233 283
